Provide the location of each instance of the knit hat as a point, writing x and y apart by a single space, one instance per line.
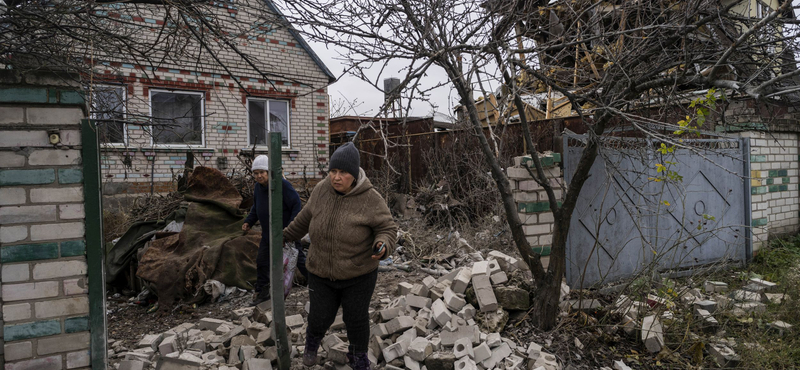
346 158
261 163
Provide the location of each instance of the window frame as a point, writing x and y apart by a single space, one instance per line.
124 104
267 125
202 95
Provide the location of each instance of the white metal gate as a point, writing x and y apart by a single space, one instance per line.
627 221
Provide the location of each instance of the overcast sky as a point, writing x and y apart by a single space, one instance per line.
369 99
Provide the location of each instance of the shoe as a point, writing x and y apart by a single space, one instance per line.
261 297
360 361
310 353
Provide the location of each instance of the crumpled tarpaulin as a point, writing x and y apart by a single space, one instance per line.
121 254
210 246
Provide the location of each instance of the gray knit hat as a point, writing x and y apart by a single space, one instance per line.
346 158
261 163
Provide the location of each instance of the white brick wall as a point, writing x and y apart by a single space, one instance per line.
774 183
44 274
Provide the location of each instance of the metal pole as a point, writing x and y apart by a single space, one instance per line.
276 249
95 251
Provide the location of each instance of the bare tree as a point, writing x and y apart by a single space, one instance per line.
93 39
622 66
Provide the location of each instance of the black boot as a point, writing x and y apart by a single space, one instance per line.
310 353
360 361
261 296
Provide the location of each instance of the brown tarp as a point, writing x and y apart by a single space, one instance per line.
210 246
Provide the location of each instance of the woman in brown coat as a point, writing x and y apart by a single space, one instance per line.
351 228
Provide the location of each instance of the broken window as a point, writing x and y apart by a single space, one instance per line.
108 111
177 117
265 116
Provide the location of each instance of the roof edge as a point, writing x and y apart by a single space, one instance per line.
302 42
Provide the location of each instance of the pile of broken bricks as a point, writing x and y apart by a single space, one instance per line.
649 318
429 326
435 324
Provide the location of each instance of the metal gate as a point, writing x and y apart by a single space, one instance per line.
631 217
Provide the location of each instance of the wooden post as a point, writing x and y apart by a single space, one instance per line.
276 249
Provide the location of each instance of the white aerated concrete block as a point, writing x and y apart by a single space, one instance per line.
441 315
465 363
498 355
396 350
484 293
463 347
420 348
480 268
513 362
481 352
652 334
453 301
461 281
404 288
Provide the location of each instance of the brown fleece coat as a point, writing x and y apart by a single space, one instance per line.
343 229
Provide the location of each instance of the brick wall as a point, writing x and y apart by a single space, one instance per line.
532 202
45 301
773 185
295 77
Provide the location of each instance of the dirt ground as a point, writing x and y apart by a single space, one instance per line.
128 323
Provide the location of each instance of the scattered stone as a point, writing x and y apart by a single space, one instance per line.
441 361
585 305
546 361
487 301
466 363
780 326
746 296
775 298
512 298
652 334
151 341
768 285
419 349
620 365
751 307
493 322
715 287
498 354
131 365
724 355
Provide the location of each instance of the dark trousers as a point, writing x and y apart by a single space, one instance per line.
353 295
263 266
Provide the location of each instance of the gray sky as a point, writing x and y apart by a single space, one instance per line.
369 99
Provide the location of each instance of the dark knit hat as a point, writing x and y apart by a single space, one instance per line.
346 158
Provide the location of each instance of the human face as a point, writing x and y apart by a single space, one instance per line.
262 177
342 181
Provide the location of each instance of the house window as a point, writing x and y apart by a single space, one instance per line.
265 116
177 117
108 111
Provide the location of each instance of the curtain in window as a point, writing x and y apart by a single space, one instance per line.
178 118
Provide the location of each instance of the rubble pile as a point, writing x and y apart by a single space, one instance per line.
454 322
647 320
429 325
